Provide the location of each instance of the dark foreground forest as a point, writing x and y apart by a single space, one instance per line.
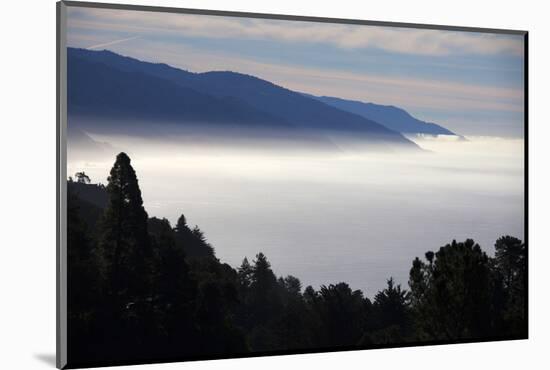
141 289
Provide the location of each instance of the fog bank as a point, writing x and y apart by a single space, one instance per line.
326 215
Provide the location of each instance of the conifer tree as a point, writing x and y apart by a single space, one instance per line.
452 294
172 281
192 241
264 288
125 245
511 263
390 317
342 312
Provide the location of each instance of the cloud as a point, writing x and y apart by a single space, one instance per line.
98 46
405 91
475 106
393 39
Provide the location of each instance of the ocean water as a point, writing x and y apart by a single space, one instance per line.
327 216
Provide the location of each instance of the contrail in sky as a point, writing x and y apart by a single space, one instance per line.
111 43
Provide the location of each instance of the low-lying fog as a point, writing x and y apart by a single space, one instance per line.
327 216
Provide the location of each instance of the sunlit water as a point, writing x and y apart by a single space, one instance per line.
331 216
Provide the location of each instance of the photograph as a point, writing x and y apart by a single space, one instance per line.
243 184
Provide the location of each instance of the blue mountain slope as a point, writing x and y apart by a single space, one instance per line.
274 101
100 90
394 118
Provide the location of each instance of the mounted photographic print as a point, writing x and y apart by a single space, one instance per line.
235 185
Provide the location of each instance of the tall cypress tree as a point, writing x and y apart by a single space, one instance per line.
125 246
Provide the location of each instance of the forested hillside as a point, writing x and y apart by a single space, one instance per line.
141 289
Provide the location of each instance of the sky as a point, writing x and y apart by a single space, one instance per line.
471 83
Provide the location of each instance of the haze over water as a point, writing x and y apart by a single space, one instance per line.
328 216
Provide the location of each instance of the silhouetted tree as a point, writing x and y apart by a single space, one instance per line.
263 289
140 289
452 295
219 335
390 317
263 305
172 281
192 241
296 326
124 245
511 263
291 286
82 178
83 283
245 272
342 313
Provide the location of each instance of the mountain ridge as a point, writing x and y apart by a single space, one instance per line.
216 96
395 118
